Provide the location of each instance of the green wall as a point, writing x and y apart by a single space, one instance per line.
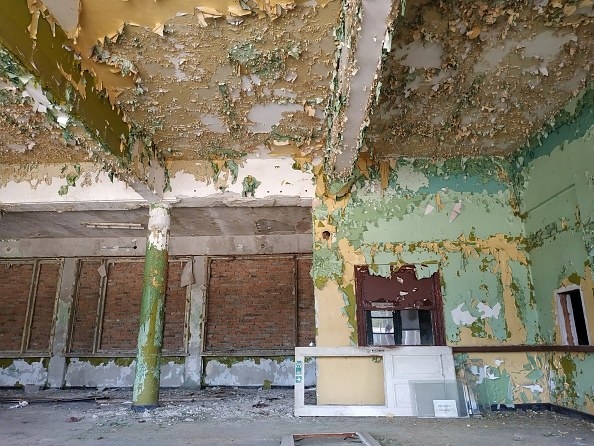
525 229
480 254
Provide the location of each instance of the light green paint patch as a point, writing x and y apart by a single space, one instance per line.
551 264
404 219
426 262
495 389
534 367
535 375
407 178
250 184
326 265
320 212
481 294
558 205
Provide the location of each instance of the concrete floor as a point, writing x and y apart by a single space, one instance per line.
252 418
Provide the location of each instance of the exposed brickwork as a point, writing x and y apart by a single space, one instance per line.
16 282
122 306
175 309
252 303
306 313
85 306
43 312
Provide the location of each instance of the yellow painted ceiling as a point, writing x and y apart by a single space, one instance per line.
221 79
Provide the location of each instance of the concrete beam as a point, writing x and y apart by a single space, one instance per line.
366 35
132 247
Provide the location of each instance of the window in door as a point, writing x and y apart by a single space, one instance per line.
571 317
400 309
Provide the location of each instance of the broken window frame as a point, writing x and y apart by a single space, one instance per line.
572 324
96 349
376 293
24 350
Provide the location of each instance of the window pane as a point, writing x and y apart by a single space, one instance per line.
383 339
383 325
378 313
410 319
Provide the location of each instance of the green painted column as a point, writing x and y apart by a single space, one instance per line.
150 332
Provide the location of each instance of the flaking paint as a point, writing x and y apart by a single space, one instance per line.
150 332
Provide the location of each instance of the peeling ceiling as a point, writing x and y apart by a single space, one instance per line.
150 88
469 78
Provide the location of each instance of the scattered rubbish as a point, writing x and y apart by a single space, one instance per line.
19 405
260 404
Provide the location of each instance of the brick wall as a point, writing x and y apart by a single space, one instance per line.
14 293
43 312
85 306
306 307
175 309
121 311
252 305
121 307
16 296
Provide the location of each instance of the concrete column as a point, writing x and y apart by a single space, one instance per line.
150 332
57 363
193 364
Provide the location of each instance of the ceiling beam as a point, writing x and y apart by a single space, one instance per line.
366 37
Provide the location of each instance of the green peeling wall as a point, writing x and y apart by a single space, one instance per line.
504 234
479 251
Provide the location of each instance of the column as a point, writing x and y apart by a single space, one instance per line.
57 364
150 332
193 364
